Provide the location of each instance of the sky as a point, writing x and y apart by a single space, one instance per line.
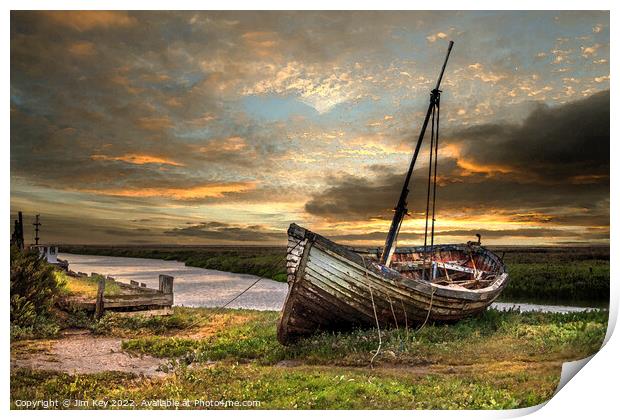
225 127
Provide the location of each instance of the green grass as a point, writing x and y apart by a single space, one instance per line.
303 388
270 266
242 336
585 280
86 286
495 360
122 326
547 254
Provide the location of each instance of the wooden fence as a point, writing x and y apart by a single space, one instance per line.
133 298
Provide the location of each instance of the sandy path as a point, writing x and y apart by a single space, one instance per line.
81 353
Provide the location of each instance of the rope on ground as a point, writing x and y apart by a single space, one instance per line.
374 309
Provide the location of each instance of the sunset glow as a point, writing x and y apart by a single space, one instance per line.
225 127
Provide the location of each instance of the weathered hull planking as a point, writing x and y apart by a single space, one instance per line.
332 287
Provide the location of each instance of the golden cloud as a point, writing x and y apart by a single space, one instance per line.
261 43
82 48
485 76
471 166
138 159
316 86
214 190
154 123
86 20
601 79
588 179
590 51
230 144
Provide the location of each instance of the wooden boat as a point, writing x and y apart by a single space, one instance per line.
334 287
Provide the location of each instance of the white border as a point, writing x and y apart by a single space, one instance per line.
593 394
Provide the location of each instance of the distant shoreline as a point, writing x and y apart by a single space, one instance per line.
553 275
575 245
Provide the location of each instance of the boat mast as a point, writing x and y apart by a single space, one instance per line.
401 207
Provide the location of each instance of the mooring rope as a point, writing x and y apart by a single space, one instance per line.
406 323
374 309
261 278
436 130
428 194
432 173
428 314
240 294
400 339
218 309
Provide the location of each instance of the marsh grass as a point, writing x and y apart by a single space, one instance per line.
304 388
86 286
586 280
493 361
492 336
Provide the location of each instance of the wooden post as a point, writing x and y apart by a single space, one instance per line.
165 284
99 302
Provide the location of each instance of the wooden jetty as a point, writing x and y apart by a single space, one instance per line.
133 298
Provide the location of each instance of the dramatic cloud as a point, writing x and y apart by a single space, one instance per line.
87 20
551 168
224 232
568 143
264 118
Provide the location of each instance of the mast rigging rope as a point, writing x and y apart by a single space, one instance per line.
432 173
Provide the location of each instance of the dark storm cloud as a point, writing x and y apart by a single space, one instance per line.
360 198
567 143
557 158
226 232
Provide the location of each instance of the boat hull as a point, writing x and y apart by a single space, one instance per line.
331 287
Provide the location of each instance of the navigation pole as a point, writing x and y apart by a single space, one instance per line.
36 225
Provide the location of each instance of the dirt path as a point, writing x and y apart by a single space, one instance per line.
80 352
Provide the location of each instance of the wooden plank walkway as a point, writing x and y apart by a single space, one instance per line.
133 298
